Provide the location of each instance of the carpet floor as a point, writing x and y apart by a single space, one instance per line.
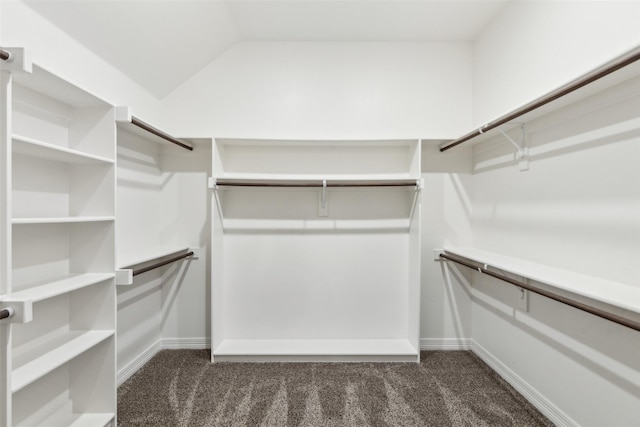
447 388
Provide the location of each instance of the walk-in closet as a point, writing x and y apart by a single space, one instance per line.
288 213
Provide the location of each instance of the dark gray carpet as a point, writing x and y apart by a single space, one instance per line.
447 388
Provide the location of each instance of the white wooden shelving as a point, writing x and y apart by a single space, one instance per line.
617 295
59 215
323 263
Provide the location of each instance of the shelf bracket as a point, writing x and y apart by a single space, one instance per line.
18 60
19 311
323 206
522 155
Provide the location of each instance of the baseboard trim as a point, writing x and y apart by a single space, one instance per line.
544 405
445 344
191 343
132 367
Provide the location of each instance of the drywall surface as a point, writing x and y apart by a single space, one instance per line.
309 90
162 200
446 221
187 208
533 47
57 52
576 208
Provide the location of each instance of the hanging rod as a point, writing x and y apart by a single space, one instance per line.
552 295
162 263
317 184
6 313
606 69
159 133
4 55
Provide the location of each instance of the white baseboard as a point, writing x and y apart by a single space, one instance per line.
544 405
191 343
445 344
137 363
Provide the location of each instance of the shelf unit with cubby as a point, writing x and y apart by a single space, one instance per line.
59 180
330 230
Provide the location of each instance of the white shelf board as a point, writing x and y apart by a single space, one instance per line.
44 150
129 259
616 294
65 417
84 420
42 291
316 347
62 220
316 177
52 354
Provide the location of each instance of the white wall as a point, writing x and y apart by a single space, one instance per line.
355 90
329 90
162 200
533 47
57 52
577 207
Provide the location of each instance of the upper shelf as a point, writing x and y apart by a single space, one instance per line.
608 75
613 293
316 160
130 259
127 121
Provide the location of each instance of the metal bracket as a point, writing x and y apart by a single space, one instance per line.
522 156
323 205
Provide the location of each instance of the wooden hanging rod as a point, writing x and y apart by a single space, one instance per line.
317 183
162 263
608 68
4 55
552 295
159 133
6 313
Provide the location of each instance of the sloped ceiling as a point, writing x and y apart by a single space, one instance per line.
160 44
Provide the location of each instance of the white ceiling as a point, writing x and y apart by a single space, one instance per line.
160 44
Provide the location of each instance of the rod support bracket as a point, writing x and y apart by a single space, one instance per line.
19 60
522 155
323 205
21 311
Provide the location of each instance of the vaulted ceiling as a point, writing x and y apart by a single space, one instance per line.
160 44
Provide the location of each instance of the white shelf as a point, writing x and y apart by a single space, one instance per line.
129 259
91 420
316 177
43 150
62 220
317 349
52 354
613 293
83 420
39 292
